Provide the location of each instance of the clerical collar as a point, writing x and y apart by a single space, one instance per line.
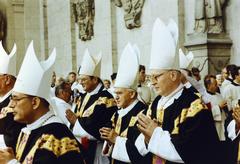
96 90
164 102
5 96
48 118
122 112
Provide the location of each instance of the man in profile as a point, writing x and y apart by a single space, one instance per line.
45 139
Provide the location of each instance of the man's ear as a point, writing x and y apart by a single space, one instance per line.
175 75
7 79
133 94
36 102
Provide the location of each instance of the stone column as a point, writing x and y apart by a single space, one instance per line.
211 51
34 26
16 28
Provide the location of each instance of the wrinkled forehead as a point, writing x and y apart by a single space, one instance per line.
119 89
157 71
18 94
81 76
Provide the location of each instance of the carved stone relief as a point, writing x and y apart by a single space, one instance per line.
132 12
209 16
84 12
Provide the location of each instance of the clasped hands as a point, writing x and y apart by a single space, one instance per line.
146 126
6 155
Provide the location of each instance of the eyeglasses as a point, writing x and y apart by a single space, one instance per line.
16 99
156 76
84 79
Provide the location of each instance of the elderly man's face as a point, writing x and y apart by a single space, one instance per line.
124 97
164 81
22 107
88 83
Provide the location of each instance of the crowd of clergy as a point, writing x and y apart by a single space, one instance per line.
170 116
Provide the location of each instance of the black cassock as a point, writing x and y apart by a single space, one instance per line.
126 127
93 113
52 143
8 127
191 128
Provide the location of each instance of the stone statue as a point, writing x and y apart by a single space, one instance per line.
132 12
84 12
3 26
209 16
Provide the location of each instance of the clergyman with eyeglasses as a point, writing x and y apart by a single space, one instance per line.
178 127
44 139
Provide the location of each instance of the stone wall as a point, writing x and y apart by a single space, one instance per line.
218 48
50 24
233 28
142 36
102 39
59 34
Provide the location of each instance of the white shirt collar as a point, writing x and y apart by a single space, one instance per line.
168 100
122 112
48 118
96 90
5 96
188 85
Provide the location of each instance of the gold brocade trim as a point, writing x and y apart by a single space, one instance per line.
102 100
52 144
118 125
198 94
160 115
89 110
196 107
124 133
21 144
106 101
157 159
84 103
149 111
183 115
176 127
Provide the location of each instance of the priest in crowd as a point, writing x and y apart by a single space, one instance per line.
44 139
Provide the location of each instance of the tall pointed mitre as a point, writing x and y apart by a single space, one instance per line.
127 75
173 28
163 47
34 77
137 50
185 60
8 61
91 65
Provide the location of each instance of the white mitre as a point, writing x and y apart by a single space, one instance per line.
163 47
185 60
8 61
127 75
91 65
34 77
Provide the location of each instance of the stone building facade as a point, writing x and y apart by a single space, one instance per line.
53 23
